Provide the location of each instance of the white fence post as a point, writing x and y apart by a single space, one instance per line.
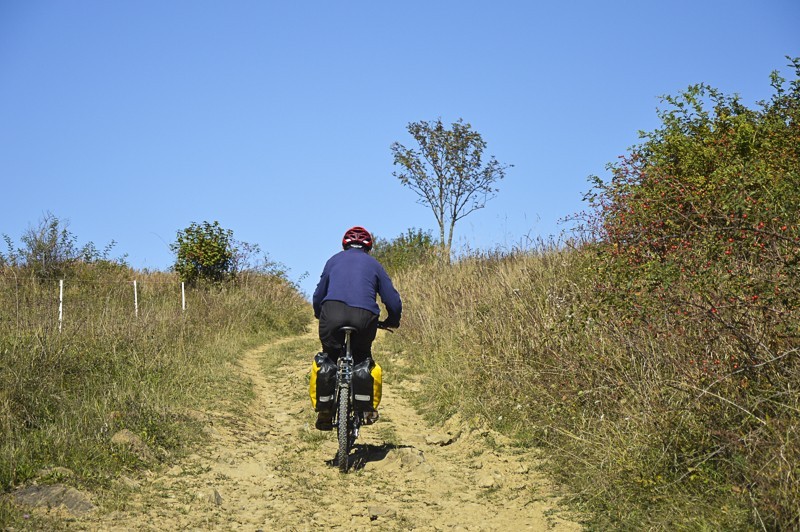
135 299
60 303
183 297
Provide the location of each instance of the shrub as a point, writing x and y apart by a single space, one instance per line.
51 251
698 244
703 215
204 252
410 249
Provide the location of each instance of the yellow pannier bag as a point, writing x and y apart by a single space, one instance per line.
367 385
322 385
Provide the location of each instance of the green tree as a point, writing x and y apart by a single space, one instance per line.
205 252
411 248
448 173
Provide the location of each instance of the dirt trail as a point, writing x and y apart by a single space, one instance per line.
271 470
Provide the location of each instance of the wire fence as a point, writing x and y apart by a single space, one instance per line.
91 305
55 304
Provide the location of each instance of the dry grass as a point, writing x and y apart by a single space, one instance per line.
64 394
641 435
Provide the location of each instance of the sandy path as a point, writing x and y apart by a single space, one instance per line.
271 470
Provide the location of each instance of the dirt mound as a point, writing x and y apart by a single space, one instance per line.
406 459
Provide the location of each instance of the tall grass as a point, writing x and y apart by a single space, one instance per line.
64 394
652 424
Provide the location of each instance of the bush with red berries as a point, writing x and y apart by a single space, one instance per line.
697 241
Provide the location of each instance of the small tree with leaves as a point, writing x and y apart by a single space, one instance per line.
205 252
448 172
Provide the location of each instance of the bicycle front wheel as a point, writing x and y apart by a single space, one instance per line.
345 426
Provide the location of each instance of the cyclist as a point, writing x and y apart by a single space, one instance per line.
346 295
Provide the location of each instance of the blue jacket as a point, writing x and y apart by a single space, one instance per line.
354 278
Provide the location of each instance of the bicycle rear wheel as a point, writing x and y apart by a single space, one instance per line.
345 426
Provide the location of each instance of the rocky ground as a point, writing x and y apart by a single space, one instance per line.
269 469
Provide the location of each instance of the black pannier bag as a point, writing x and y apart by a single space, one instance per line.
367 385
322 386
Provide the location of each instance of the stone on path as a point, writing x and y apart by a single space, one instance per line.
126 438
442 439
376 511
74 501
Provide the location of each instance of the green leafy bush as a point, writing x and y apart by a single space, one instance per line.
204 252
698 245
411 248
703 216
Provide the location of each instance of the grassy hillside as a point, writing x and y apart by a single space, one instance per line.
658 359
64 394
629 421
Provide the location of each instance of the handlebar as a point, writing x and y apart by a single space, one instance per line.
382 325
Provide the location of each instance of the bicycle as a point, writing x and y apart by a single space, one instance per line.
347 419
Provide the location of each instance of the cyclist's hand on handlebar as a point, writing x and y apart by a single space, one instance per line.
387 325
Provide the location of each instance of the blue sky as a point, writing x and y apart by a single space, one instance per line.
132 119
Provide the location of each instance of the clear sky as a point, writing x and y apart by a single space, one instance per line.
132 119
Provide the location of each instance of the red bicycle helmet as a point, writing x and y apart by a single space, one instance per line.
357 236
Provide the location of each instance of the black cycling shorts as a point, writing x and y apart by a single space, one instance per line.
334 315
